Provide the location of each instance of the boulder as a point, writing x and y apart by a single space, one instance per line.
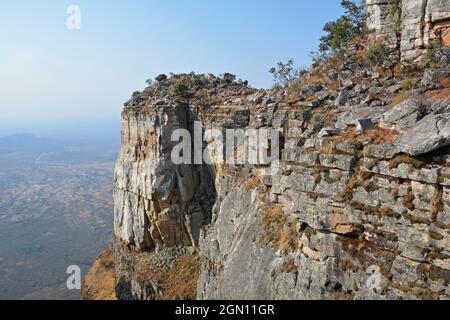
403 116
429 134
310 89
362 125
431 77
440 107
351 116
322 95
342 98
328 132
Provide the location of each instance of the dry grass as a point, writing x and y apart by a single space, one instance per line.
313 80
178 282
388 212
289 267
352 184
361 206
404 158
377 135
408 200
279 229
435 236
436 202
441 94
445 83
250 184
398 99
100 282
181 281
381 136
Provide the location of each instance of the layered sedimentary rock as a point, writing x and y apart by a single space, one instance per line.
416 23
356 207
331 215
383 19
158 204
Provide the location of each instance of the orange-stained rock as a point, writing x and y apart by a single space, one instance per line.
339 222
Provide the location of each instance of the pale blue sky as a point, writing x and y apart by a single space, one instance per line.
50 74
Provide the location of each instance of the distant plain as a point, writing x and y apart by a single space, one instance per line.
55 210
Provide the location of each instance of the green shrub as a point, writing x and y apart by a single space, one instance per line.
382 56
180 89
228 78
161 78
377 54
198 80
407 85
339 33
243 82
284 73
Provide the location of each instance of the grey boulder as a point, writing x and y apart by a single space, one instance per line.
403 116
429 134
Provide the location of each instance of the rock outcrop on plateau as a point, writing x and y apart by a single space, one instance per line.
355 206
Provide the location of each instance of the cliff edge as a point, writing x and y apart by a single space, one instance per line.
336 186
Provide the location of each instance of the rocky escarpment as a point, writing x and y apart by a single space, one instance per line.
354 205
339 206
358 207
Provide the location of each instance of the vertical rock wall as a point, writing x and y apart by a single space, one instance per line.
383 17
419 23
158 204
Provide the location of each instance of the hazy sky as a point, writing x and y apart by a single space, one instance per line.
49 73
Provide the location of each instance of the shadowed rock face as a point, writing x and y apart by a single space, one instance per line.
345 215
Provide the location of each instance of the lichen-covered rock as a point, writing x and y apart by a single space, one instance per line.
382 17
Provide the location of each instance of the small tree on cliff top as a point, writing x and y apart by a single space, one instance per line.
339 33
284 73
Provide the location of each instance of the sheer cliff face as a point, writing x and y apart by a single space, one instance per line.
410 24
158 204
358 207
